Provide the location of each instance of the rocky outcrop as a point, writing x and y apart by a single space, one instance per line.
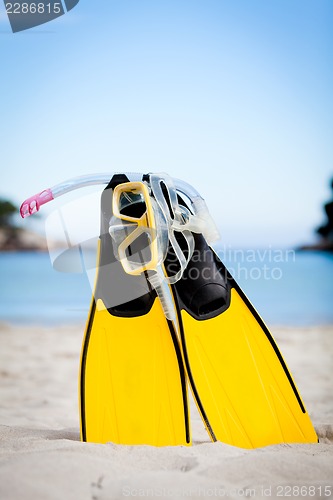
15 239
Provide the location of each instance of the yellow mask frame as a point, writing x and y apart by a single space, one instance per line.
145 224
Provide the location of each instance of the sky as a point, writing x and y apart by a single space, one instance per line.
233 96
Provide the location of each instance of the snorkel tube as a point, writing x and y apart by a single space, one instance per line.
161 194
200 222
32 204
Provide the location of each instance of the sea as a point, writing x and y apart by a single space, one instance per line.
286 287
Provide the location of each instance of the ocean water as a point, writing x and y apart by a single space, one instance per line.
286 288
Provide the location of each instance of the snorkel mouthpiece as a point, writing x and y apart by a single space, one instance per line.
32 205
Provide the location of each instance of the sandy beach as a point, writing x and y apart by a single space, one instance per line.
41 456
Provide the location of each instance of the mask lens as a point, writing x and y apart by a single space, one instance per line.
138 253
132 204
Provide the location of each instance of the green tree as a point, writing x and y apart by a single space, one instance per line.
7 210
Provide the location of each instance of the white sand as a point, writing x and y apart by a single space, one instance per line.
41 456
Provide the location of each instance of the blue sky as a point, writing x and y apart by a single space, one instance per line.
234 96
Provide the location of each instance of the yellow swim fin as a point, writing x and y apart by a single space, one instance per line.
242 386
133 386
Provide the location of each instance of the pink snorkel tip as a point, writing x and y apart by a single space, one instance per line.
32 204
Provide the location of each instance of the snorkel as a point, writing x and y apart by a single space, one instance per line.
203 221
160 221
